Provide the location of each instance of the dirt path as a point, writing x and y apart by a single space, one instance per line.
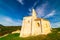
17 31
4 35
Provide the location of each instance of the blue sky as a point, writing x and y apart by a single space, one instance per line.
13 11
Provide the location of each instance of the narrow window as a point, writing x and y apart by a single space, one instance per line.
28 21
38 24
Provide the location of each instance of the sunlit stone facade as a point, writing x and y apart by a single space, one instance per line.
32 26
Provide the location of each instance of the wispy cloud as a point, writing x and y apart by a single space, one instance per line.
54 25
50 14
40 10
7 21
20 1
30 9
35 3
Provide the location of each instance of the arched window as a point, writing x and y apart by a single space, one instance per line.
28 21
38 24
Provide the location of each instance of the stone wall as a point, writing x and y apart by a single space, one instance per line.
32 28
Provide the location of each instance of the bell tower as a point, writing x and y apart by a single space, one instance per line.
34 13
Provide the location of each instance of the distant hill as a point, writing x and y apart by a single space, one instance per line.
1 26
8 29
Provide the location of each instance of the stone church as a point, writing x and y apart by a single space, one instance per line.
32 26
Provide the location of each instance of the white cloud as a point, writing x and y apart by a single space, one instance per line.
20 1
50 14
30 10
7 21
40 10
55 25
35 4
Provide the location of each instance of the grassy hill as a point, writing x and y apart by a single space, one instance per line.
55 35
8 29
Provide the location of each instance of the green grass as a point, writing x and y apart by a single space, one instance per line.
11 37
8 29
51 36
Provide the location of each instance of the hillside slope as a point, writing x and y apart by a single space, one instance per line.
55 35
